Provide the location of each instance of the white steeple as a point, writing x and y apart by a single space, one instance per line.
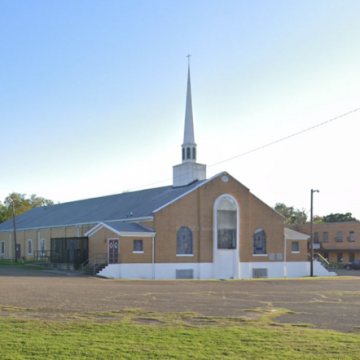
189 146
189 170
189 123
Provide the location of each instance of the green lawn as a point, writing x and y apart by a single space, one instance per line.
135 334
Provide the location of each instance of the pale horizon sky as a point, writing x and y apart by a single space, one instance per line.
92 96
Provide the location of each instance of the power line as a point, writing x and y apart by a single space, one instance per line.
285 138
263 146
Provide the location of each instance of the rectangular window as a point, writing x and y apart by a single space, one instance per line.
295 247
339 236
339 257
138 246
351 257
352 236
29 247
325 236
2 248
316 238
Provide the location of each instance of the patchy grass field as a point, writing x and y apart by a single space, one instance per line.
136 334
44 315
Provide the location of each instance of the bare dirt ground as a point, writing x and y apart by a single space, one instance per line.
332 303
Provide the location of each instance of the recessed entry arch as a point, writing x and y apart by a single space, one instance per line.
226 220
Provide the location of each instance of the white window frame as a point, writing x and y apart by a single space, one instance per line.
352 236
2 248
29 242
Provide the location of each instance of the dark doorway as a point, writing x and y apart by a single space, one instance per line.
113 251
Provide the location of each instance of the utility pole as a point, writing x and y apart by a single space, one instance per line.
312 235
14 225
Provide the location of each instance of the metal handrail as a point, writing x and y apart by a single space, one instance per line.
97 260
323 259
43 255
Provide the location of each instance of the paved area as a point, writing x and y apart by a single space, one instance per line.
326 303
344 272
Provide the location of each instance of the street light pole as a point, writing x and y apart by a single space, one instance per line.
312 235
14 225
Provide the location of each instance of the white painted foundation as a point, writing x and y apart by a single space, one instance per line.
206 271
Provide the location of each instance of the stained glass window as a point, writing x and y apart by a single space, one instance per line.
184 241
259 242
226 224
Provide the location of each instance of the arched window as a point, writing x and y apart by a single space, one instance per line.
226 224
194 153
188 154
259 242
184 241
183 153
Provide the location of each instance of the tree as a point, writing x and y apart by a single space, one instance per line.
3 216
338 218
292 216
318 219
22 204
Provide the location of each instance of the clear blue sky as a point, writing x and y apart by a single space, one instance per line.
92 96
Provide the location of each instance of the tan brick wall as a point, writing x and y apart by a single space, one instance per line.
302 256
333 247
98 244
22 237
196 209
98 241
126 250
168 221
261 216
4 237
46 234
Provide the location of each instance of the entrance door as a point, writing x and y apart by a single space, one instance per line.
225 266
18 251
113 251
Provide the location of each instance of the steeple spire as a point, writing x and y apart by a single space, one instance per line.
189 170
189 146
189 122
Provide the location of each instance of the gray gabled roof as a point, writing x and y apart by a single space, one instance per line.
137 204
128 227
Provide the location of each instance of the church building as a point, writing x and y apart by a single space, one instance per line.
196 228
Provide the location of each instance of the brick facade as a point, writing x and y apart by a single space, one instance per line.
331 245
